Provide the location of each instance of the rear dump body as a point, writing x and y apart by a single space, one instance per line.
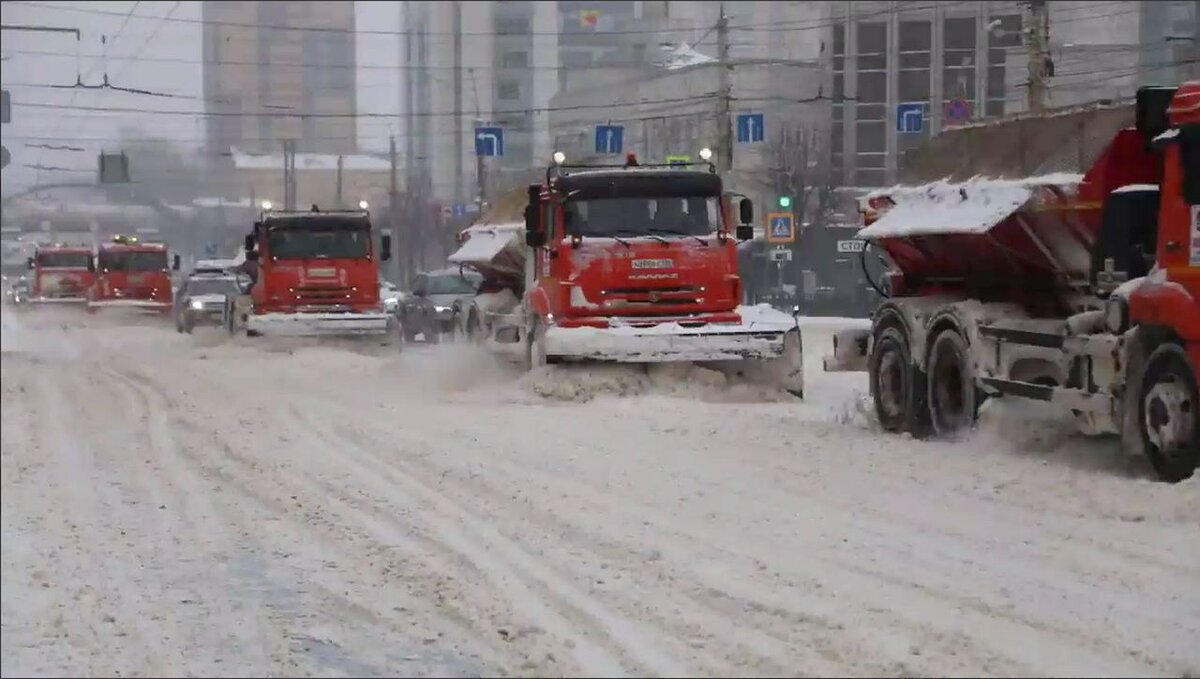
61 274
1082 291
624 264
315 274
131 274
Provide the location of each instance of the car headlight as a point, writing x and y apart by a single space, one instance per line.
1116 315
197 304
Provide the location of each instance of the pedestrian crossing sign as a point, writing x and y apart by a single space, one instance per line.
781 227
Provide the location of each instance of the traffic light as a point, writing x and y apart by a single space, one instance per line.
785 201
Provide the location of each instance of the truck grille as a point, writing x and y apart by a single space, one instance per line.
321 295
655 296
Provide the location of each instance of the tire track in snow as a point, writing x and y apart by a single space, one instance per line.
514 571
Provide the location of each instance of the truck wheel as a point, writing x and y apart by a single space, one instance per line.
893 379
535 344
1167 414
409 332
951 394
474 329
188 324
178 325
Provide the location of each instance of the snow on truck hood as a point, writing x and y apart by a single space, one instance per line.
970 207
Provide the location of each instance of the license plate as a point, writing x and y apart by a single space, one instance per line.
653 263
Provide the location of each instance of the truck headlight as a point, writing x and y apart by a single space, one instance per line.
197 304
1116 315
441 309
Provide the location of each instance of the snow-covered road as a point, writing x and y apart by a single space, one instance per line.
185 505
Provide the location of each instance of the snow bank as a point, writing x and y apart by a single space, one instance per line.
586 382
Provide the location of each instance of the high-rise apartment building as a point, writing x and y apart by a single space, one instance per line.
280 70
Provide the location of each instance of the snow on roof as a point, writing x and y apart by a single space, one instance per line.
942 207
309 161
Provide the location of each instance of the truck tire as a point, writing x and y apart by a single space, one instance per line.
896 384
535 344
950 386
409 332
1169 414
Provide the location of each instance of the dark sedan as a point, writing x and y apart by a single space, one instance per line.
428 310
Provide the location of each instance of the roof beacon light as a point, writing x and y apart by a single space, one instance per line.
705 153
630 160
362 205
560 157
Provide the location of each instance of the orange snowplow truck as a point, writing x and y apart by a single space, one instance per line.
1083 292
61 274
129 273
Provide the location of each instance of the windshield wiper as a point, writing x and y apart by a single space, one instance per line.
680 233
649 233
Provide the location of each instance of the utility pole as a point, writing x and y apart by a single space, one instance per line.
393 220
725 96
338 186
289 174
1037 41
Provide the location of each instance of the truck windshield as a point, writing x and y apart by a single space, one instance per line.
317 241
63 260
154 260
603 217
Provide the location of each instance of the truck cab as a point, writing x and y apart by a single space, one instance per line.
630 244
60 273
132 273
314 272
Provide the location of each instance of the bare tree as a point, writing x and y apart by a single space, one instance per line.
797 165
162 169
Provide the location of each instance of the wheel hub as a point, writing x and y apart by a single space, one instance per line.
1170 416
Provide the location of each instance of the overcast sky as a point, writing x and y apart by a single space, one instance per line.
157 48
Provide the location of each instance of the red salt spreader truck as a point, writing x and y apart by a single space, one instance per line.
61 274
132 273
1083 292
628 264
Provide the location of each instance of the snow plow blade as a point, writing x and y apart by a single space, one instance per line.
138 304
320 325
766 347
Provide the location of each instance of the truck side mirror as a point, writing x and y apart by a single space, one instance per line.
29 263
534 237
175 263
744 232
385 247
252 255
746 212
248 244
92 264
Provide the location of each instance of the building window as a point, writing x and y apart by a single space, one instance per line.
507 90
512 26
516 59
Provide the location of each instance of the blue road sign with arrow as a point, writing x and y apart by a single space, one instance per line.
750 128
489 141
910 118
609 138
